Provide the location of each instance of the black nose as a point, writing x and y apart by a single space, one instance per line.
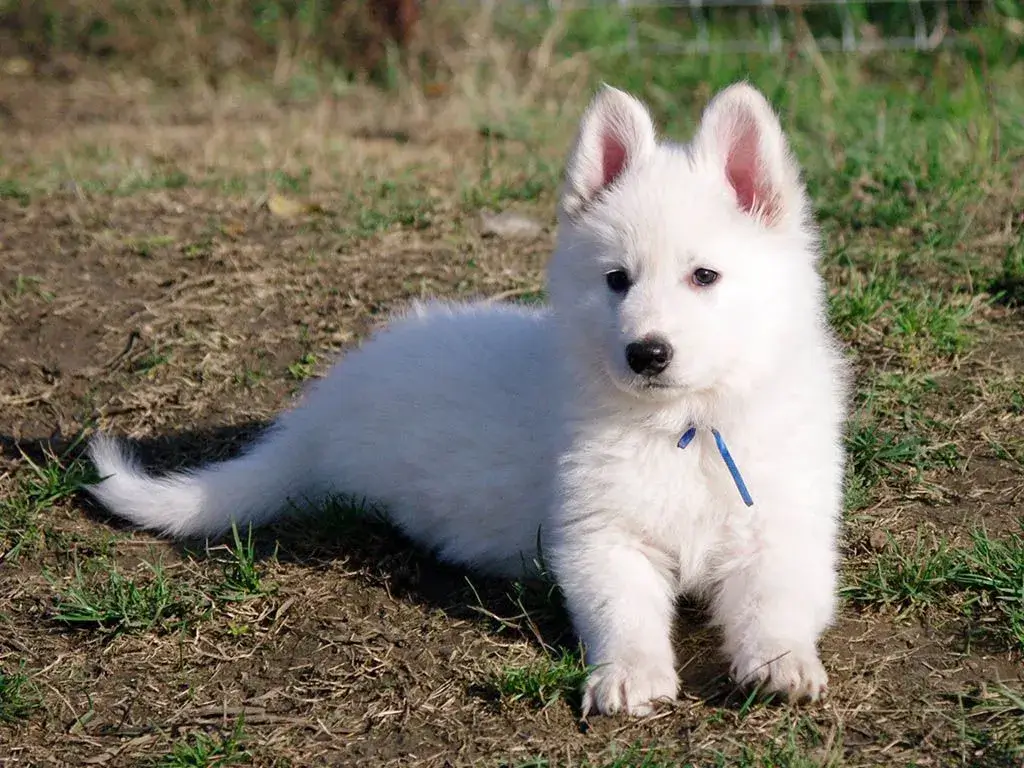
649 357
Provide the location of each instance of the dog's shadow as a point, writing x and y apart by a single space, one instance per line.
355 531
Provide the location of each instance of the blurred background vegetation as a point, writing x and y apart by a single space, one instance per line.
176 40
519 69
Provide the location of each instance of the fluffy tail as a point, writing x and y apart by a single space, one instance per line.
205 502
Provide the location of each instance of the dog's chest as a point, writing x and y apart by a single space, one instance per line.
676 498
686 497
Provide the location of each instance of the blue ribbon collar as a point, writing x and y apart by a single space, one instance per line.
737 478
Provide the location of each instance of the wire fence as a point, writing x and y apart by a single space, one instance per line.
773 26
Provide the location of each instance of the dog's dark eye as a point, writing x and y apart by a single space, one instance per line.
703 277
618 280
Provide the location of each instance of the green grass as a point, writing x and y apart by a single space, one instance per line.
916 321
116 604
857 491
385 205
241 574
556 677
983 582
795 743
18 696
994 725
907 577
101 598
340 518
894 438
252 374
291 183
1008 285
133 182
203 750
39 487
856 306
992 580
24 286
150 360
877 454
146 247
932 322
501 181
11 189
304 368
634 756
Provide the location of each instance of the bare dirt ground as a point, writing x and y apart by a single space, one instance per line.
174 270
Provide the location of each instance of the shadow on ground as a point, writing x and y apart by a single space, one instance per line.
356 532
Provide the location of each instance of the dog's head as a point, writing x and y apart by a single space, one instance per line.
683 269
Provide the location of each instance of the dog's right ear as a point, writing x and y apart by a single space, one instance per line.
616 131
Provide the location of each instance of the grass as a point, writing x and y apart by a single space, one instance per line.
984 580
115 604
10 189
390 205
907 577
18 696
134 182
495 188
635 756
151 359
204 750
251 376
146 247
859 304
304 368
553 678
40 486
933 322
796 743
920 323
994 718
992 581
1008 286
24 286
877 454
241 573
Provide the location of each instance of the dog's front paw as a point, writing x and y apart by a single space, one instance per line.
797 674
629 687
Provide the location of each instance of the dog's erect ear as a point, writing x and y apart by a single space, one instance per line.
616 131
740 133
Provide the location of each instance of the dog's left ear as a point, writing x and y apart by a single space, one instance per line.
740 134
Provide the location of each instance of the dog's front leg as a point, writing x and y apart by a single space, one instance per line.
775 596
622 607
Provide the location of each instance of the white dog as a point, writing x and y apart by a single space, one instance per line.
686 311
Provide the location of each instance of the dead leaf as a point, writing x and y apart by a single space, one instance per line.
17 67
437 89
233 228
878 540
287 208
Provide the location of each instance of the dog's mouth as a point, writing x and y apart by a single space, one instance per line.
649 387
644 386
653 384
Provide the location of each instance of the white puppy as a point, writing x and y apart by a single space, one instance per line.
686 311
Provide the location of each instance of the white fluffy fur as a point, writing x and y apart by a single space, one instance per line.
479 425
